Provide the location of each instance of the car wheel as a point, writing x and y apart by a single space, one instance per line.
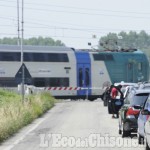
140 139
117 115
105 102
102 96
147 147
120 127
126 133
109 108
120 132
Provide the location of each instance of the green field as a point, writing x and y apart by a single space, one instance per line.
14 114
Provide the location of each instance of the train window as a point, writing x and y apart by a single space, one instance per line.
139 66
98 57
8 82
39 57
27 56
80 77
129 65
35 57
87 79
46 57
10 56
39 82
108 57
60 82
101 57
52 82
58 57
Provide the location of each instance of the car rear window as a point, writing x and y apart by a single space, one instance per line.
139 99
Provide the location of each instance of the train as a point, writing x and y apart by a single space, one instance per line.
69 73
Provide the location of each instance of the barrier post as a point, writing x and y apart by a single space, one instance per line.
87 93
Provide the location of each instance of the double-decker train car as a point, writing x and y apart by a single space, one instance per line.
69 73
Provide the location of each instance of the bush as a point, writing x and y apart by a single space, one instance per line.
14 114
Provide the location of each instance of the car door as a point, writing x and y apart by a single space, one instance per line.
142 118
147 131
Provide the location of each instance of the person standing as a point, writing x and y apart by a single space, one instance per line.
115 92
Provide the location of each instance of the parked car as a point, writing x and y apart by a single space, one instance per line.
142 120
129 112
144 85
147 128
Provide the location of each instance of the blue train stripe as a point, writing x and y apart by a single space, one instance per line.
83 67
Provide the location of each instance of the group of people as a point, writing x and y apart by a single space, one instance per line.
115 91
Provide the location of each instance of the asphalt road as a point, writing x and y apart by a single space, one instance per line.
72 125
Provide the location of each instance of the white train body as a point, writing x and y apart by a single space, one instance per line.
69 73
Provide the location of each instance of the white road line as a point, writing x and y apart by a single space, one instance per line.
25 134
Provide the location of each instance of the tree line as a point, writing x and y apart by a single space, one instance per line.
124 40
111 41
32 41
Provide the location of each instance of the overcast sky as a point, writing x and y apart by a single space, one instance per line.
74 22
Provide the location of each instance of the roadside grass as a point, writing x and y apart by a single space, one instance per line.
14 114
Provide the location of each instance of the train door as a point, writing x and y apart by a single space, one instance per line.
130 72
84 79
135 71
83 73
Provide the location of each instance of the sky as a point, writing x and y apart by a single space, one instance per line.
75 22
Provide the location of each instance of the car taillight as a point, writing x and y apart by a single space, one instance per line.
132 111
147 117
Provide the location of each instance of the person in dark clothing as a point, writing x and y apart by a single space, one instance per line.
115 92
119 91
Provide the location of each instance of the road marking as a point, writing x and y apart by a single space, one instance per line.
30 130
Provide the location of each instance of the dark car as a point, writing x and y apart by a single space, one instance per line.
129 112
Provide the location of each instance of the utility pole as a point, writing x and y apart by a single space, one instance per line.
18 22
22 56
22 32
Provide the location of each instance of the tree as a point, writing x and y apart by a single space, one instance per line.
33 41
129 40
109 42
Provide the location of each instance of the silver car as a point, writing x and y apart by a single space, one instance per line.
142 120
147 127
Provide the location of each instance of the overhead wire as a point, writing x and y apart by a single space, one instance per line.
41 25
80 8
77 12
84 29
